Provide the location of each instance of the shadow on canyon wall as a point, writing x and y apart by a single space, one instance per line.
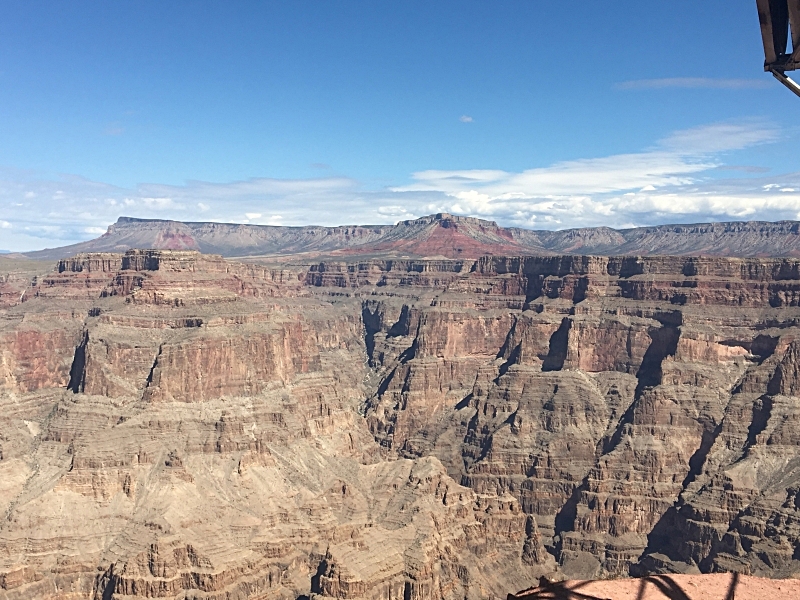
566 590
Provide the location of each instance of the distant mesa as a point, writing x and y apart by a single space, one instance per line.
444 235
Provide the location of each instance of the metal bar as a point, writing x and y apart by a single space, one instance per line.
794 25
765 20
779 12
789 83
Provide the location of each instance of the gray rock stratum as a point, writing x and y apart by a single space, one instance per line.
177 425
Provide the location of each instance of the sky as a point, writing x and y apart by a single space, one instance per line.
546 115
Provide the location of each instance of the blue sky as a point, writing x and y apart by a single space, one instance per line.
530 113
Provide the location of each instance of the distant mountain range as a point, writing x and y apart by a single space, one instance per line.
441 235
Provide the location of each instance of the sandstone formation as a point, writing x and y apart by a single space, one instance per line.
441 235
176 425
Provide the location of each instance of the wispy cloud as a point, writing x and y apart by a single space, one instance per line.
669 182
721 137
465 119
680 178
694 83
43 212
674 161
587 176
114 129
743 168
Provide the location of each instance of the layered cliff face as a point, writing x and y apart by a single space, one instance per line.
441 235
626 400
175 425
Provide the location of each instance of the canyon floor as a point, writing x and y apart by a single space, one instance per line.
178 425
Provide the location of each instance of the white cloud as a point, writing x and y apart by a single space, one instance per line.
159 203
597 175
678 179
400 212
667 182
65 210
721 137
465 119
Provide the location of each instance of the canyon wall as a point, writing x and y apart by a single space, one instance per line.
176 425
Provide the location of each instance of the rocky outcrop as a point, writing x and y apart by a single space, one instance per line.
603 405
179 425
216 449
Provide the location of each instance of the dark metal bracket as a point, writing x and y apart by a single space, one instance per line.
787 81
779 19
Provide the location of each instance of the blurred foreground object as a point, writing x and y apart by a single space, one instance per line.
777 18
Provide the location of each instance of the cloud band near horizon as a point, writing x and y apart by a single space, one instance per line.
677 180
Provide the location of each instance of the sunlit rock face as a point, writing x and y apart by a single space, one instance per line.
177 425
439 235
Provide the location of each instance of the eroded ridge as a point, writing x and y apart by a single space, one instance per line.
177 425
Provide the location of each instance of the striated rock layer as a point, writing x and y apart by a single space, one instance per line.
443 235
175 425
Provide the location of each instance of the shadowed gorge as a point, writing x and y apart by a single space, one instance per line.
179 425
